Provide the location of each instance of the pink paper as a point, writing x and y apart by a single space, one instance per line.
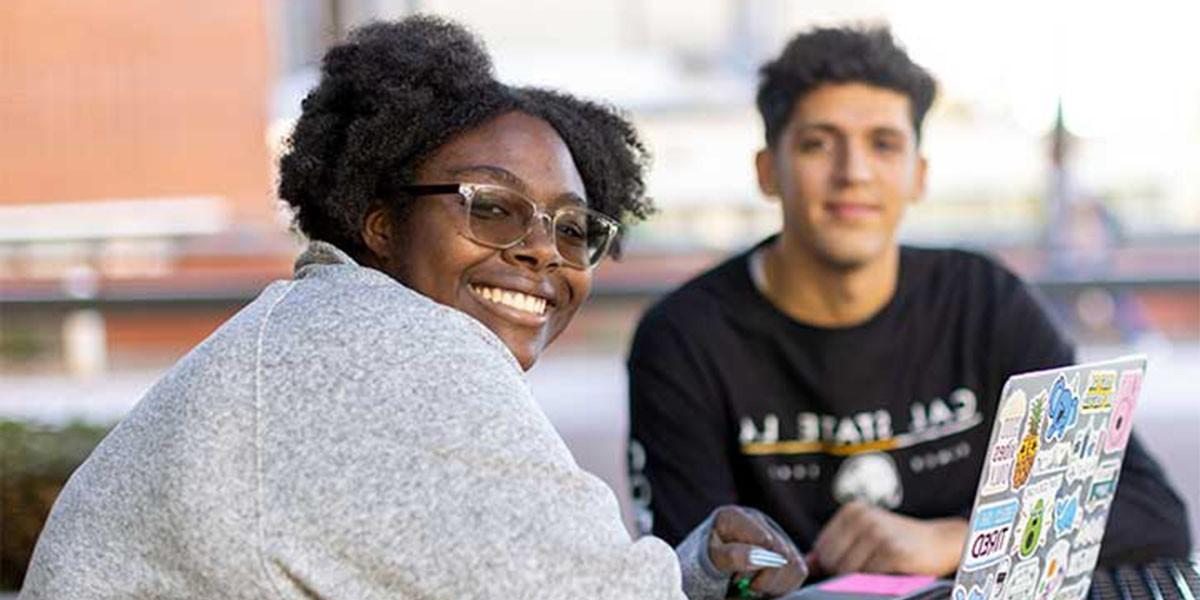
864 583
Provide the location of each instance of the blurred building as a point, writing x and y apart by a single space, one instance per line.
136 207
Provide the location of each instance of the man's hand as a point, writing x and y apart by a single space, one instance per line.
736 531
863 537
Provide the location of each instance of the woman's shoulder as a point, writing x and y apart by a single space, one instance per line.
363 315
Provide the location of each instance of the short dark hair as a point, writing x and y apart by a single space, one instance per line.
839 55
395 92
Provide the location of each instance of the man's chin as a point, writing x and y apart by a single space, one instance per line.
852 257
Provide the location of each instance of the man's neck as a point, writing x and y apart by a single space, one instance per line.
818 293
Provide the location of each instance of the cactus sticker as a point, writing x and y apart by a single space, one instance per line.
1031 538
1037 519
1062 409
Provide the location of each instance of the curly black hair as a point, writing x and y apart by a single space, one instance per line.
839 55
394 92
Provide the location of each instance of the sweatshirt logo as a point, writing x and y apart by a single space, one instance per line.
858 433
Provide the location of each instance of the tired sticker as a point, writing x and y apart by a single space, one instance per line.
991 531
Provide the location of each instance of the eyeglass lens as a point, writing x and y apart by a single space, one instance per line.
502 218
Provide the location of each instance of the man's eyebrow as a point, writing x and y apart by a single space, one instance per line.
889 130
506 177
834 129
820 126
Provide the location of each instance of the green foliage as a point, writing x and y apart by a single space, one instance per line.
35 462
20 344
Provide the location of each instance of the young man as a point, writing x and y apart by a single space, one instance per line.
840 382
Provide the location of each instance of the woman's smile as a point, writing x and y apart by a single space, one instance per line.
518 306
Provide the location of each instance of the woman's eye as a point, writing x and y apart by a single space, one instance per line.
488 209
573 231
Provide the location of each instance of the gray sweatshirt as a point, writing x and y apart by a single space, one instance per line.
345 437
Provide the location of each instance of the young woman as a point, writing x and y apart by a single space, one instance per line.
364 430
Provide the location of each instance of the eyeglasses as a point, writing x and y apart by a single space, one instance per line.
500 218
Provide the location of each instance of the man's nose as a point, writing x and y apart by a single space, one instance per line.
854 165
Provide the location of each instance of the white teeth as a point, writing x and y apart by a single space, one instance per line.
514 299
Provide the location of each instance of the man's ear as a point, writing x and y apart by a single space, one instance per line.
922 168
764 165
377 232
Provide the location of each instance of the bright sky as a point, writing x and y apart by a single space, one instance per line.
1126 69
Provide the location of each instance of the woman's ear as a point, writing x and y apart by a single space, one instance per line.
377 233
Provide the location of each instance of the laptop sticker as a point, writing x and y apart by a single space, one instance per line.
1120 423
1085 453
1004 453
1037 507
1063 408
1075 591
961 593
1055 572
1100 388
991 531
1024 578
1104 485
1027 452
1066 512
1083 560
1052 460
1091 531
999 581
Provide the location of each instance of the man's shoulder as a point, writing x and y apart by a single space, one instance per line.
928 267
705 295
949 258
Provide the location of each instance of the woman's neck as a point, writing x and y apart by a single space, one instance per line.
819 293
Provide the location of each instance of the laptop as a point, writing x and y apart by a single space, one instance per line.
1049 476
1048 480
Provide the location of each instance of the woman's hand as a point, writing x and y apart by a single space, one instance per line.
737 532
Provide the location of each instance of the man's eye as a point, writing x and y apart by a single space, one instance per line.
888 146
813 145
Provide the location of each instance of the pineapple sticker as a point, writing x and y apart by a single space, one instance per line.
1029 444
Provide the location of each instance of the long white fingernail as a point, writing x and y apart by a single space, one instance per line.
761 557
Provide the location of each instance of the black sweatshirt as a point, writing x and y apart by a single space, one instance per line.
732 401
